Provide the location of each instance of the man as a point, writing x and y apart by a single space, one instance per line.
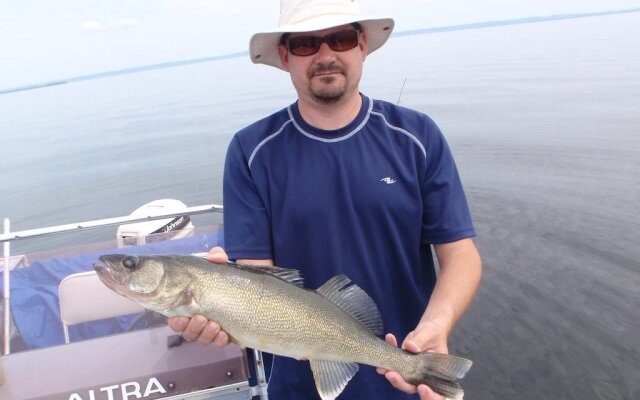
341 183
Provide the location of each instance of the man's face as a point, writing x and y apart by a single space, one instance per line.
328 75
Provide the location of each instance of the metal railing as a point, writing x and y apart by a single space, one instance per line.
9 236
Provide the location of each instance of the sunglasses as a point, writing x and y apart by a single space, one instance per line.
309 45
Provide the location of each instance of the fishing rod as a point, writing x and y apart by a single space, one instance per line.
401 90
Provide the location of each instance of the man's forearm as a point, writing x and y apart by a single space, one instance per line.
458 281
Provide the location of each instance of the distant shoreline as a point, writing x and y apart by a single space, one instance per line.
412 32
517 21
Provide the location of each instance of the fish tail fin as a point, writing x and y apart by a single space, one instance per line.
440 372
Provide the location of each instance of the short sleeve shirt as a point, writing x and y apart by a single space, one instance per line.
365 200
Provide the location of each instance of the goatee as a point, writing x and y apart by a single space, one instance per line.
327 94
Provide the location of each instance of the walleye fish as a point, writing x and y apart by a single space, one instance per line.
334 327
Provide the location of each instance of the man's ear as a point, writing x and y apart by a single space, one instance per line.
364 46
284 56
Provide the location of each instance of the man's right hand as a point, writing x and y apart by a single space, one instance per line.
198 328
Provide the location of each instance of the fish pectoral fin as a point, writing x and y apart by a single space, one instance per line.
186 298
332 376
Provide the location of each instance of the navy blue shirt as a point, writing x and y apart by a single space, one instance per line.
365 200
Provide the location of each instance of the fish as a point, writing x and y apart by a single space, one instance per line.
336 327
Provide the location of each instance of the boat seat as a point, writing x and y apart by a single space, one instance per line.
84 298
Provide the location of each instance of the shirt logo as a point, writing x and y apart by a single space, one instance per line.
388 180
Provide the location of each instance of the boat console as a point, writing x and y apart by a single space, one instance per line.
145 364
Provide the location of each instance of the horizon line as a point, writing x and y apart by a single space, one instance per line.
411 32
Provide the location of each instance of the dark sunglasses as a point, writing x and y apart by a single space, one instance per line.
309 45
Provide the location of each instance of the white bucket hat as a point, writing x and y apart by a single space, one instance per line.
315 15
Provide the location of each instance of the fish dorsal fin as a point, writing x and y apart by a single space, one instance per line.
331 377
289 275
354 301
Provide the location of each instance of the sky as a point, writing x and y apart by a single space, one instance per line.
43 41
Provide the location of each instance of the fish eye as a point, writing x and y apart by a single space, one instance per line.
130 262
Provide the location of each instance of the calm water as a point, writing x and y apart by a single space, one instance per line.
543 119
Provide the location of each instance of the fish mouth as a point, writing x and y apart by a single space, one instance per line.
100 267
106 274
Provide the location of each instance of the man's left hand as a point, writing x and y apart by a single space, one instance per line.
423 338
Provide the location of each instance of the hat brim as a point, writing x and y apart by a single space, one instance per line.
263 46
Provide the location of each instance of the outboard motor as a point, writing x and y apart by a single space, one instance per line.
153 231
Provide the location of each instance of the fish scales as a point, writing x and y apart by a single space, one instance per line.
275 312
263 308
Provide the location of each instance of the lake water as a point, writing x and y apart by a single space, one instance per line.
544 121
